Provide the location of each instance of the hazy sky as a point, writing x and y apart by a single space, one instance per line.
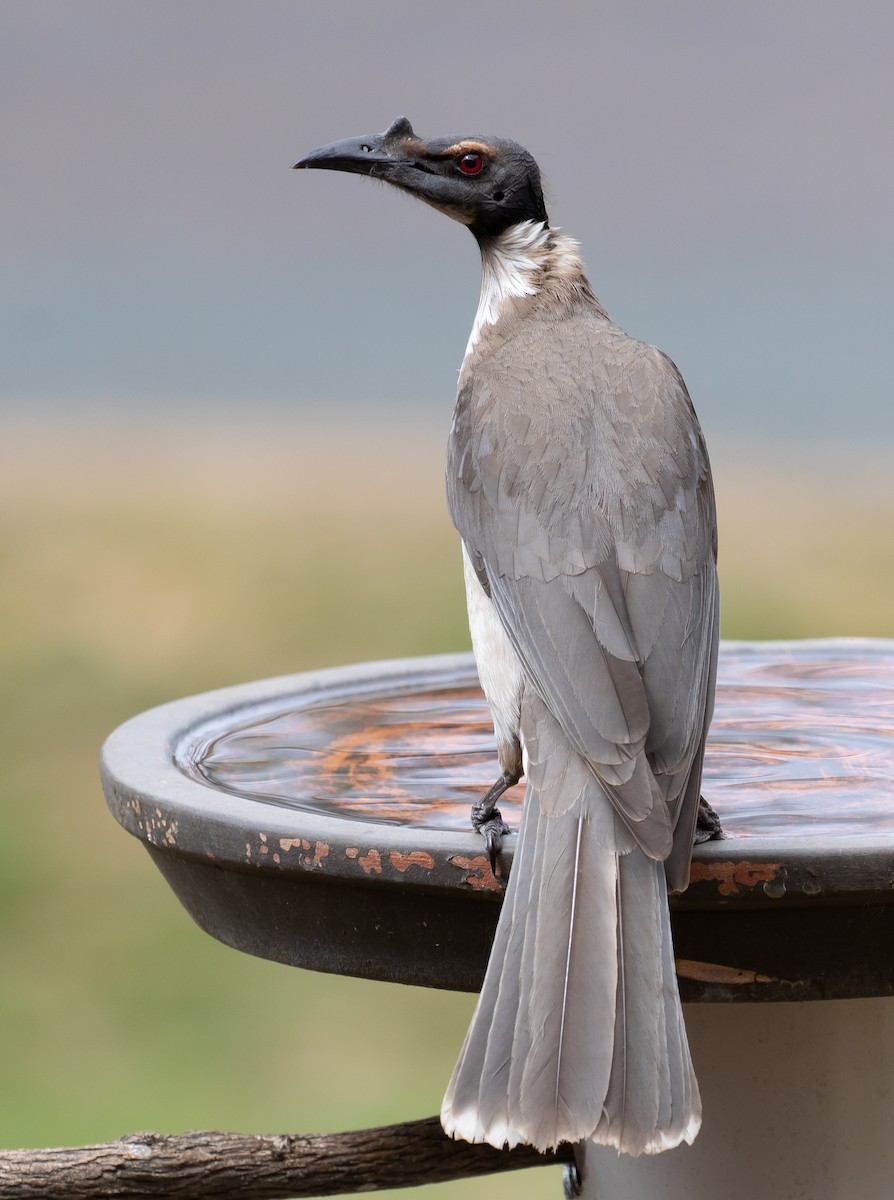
727 167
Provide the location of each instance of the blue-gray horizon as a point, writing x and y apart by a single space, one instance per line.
721 167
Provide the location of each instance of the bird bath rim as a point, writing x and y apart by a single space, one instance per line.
154 792
418 904
145 764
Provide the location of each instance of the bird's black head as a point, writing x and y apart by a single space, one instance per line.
488 183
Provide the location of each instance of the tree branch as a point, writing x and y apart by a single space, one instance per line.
235 1166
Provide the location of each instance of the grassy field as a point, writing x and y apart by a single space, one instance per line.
139 566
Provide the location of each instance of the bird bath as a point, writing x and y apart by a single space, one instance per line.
322 820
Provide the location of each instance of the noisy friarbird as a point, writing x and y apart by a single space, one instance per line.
578 479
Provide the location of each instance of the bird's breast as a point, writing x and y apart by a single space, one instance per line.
499 669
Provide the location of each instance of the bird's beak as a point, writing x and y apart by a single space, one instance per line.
398 157
360 155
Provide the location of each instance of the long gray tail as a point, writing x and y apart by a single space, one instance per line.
578 1033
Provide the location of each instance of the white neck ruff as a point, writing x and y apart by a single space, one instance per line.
515 264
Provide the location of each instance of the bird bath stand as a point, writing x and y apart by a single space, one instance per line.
321 820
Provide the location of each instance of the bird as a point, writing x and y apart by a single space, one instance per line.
578 479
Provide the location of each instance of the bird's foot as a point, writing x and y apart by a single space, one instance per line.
493 829
707 824
487 819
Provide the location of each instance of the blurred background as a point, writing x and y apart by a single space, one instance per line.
224 395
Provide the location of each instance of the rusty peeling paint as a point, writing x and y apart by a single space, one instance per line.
480 876
416 858
734 877
351 852
371 862
320 850
717 973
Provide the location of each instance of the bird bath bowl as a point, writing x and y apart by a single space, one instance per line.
322 820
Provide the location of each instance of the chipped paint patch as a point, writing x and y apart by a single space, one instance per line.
311 853
416 858
734 877
370 862
480 876
154 827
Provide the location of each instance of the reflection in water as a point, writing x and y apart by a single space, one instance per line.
802 743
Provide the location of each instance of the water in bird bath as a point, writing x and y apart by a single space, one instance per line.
802 742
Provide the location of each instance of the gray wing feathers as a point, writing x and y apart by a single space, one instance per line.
598 698
591 515
621 814
678 861
604 461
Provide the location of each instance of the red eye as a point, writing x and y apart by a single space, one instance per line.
470 164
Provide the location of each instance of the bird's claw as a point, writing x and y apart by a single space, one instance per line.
487 819
707 824
493 829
